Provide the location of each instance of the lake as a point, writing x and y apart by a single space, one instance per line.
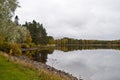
91 64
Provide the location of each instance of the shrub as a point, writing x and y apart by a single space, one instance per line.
1 39
25 45
16 48
4 47
32 45
11 48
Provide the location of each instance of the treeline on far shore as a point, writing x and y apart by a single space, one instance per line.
75 42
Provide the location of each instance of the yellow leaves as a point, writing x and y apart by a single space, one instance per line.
10 52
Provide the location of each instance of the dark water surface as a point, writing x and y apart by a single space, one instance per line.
99 64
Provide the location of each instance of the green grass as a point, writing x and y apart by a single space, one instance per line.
12 71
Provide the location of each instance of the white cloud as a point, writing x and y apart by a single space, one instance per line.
89 19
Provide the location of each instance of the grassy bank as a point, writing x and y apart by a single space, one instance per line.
12 71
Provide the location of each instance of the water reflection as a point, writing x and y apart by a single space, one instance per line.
89 62
40 55
90 47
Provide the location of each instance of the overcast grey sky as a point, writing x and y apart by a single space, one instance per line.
82 19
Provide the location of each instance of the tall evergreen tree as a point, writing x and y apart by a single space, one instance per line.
16 20
37 31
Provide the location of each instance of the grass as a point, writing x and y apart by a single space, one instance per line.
12 71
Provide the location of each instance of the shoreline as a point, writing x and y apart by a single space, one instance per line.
25 61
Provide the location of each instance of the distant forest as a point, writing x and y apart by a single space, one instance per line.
72 41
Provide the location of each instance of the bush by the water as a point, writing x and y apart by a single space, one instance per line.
11 48
30 45
25 45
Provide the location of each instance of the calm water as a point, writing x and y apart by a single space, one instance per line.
99 64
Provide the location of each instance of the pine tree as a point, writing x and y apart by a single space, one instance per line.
37 32
16 20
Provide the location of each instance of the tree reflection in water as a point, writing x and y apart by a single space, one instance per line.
41 55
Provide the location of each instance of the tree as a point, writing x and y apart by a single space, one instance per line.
16 20
51 40
22 34
28 38
7 9
37 32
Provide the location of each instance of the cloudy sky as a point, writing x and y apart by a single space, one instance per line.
82 19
